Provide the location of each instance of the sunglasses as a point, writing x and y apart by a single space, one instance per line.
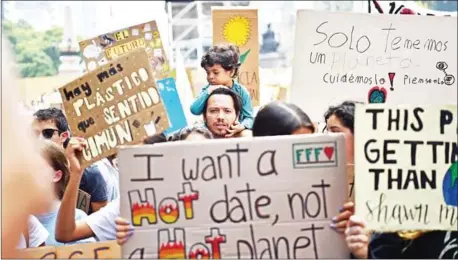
48 133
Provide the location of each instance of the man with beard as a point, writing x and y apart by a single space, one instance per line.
221 113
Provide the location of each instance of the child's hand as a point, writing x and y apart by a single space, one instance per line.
235 129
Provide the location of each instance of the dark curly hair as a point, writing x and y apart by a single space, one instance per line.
154 139
55 115
183 133
345 112
226 55
229 92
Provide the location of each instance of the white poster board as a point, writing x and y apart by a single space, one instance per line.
270 197
406 167
396 7
393 59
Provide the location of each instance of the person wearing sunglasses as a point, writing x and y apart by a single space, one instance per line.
51 124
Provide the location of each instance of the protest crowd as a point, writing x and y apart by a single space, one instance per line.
70 176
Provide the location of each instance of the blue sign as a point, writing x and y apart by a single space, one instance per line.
171 99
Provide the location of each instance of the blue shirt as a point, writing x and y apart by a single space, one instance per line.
93 183
246 115
49 220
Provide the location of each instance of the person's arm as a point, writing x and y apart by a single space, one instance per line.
96 206
102 223
67 230
198 104
97 187
247 109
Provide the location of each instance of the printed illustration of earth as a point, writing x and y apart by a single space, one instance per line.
450 185
444 6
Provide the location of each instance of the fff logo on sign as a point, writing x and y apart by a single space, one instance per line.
315 155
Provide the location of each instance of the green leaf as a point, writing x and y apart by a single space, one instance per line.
454 173
243 56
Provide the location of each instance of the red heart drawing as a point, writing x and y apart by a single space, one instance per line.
329 151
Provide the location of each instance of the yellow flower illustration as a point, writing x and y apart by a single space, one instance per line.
237 30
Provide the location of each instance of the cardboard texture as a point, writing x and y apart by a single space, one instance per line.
83 201
118 103
240 27
191 82
99 250
406 167
270 197
374 59
104 48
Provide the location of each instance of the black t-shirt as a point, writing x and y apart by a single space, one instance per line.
93 183
431 245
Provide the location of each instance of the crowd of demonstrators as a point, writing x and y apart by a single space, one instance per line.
55 157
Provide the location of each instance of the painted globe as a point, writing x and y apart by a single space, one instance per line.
450 185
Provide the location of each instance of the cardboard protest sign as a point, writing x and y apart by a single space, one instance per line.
373 58
118 103
100 250
240 27
83 201
270 197
100 50
406 167
351 181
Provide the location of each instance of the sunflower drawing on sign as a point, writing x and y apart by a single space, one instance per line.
237 30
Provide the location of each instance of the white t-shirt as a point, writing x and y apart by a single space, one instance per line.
102 222
37 234
111 176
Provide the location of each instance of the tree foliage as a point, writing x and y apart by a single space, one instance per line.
37 52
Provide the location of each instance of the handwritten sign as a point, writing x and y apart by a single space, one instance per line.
270 197
240 27
100 50
406 167
116 104
373 58
101 250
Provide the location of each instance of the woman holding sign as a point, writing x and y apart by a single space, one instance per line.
341 119
55 156
415 244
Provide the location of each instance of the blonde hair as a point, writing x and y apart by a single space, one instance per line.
55 156
410 235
